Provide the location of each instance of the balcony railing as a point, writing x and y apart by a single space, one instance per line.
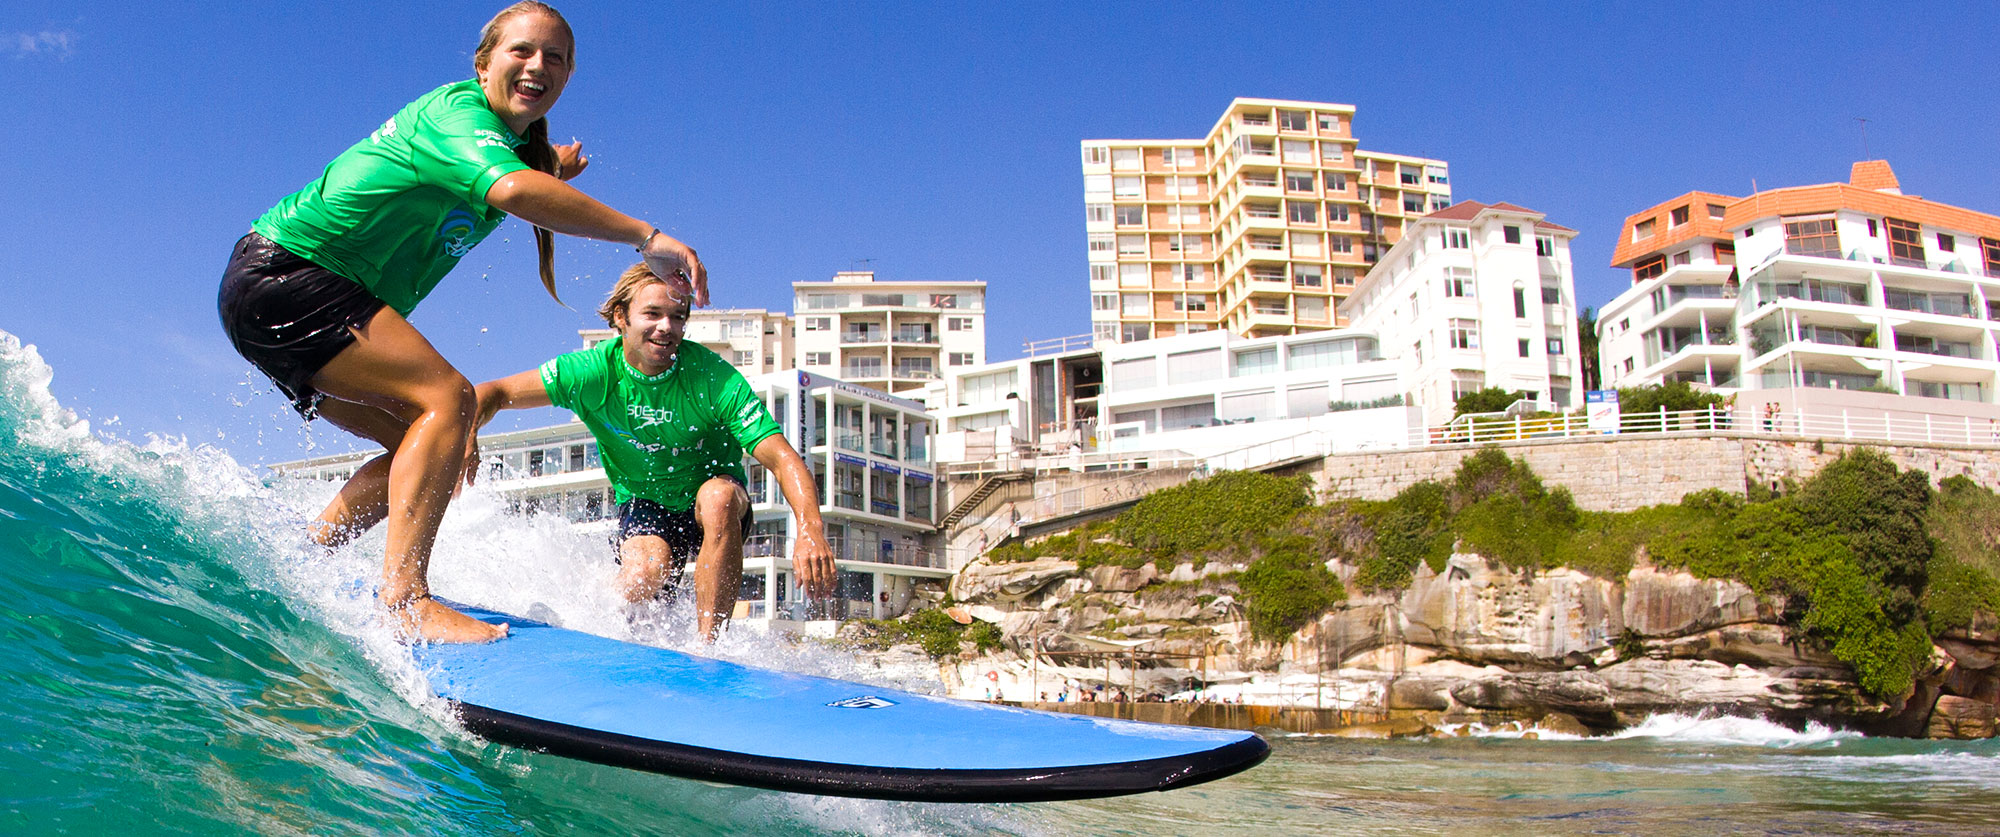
923 337
862 337
861 373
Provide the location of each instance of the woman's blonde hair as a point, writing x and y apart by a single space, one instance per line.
536 152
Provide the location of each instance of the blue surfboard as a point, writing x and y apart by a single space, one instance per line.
601 700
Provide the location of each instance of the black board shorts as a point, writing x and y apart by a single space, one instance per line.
288 316
682 532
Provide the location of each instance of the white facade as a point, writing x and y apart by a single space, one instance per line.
1850 286
891 336
870 454
1475 296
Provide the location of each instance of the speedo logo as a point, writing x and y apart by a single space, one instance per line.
457 233
863 702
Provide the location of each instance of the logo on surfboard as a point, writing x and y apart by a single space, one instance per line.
863 702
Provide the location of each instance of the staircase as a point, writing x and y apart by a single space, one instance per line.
979 494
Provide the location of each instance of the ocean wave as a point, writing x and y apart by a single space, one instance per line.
1731 730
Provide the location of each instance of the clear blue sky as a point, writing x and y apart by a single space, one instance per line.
939 140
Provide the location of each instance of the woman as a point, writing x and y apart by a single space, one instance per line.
317 295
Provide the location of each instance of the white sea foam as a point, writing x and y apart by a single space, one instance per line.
1731 730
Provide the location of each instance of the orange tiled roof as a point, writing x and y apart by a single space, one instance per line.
1699 225
1875 175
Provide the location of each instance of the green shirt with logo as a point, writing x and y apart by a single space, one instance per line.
397 211
661 436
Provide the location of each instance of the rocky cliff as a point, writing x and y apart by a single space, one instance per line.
1476 642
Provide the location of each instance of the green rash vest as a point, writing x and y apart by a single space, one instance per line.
397 211
661 436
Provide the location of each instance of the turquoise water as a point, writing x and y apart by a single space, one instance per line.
172 660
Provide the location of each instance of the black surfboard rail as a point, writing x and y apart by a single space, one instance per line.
1047 784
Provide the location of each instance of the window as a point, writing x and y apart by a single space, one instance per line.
1410 178
1946 243
1179 158
1551 295
1096 213
1103 302
1683 257
1187 367
1188 415
1458 283
1642 230
1096 155
1131 245
1097 184
1648 268
1677 217
1190 302
1456 238
743 358
1135 305
1312 308
1256 118
1343 276
1294 120
819 358
1302 212
1336 213
1990 249
1249 406
1556 346
1465 334
1906 243
958 323
1131 216
1814 237
1255 362
1725 252
1336 182
1329 122
1298 151
1298 181
1545 245
1511 234
1340 243
819 323
1125 159
1520 303
1102 242
1104 332
959 358
1305 246
1307 276
1716 210
1873 228
1102 273
1189 272
1302 401
1134 332
1271 307
1261 210
1522 346
1414 204
1136 373
1267 273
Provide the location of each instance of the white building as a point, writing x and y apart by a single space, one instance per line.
1475 296
870 452
1840 286
892 336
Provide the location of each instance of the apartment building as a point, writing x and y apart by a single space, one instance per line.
1849 286
1258 228
876 480
891 336
753 340
1474 296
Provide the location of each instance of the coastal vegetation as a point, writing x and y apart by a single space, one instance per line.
1865 559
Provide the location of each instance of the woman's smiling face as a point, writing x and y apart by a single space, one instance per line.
527 69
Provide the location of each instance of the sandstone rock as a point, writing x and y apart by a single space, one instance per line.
1970 653
1563 723
1109 579
1392 728
1962 718
1008 582
1753 643
1495 615
1676 603
1577 693
1420 693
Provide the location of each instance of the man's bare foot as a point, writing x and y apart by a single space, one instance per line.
425 620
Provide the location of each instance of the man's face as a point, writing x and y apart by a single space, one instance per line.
653 325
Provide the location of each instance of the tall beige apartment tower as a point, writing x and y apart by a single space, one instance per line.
1260 228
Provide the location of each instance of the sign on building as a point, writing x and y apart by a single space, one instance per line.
1601 408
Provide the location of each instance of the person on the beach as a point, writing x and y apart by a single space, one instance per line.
318 294
672 420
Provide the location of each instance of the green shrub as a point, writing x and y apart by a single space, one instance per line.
1413 527
1219 513
932 630
1286 587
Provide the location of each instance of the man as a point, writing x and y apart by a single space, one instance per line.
672 421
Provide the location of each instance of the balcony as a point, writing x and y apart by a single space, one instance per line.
923 337
915 373
862 373
868 336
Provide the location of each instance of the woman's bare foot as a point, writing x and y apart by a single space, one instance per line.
426 620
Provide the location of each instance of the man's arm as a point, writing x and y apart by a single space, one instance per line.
812 559
515 392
